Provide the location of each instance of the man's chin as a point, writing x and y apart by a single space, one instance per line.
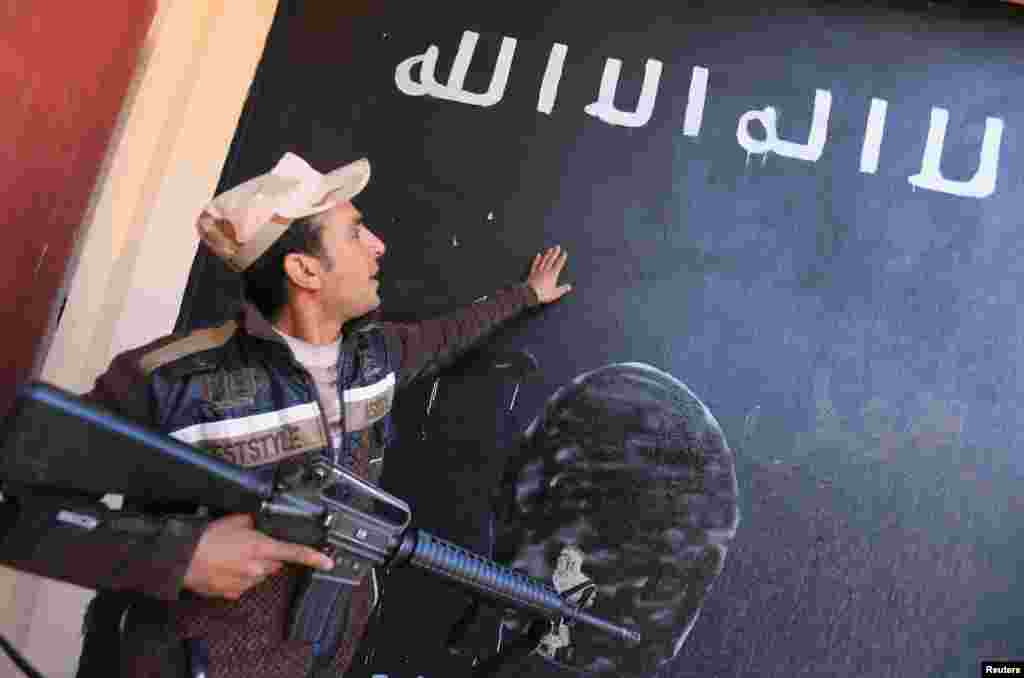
372 306
353 310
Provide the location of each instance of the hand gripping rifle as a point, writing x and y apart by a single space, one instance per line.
57 441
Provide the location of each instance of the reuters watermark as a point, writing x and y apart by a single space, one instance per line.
1001 668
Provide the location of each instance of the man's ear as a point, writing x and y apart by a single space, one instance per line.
303 271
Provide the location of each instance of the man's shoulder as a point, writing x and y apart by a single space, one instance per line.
176 352
374 325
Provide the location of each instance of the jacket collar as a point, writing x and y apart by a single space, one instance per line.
255 324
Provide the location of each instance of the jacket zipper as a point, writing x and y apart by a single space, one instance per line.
310 383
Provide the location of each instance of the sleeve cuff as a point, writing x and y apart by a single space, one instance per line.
529 295
171 555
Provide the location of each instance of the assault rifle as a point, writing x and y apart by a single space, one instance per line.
57 441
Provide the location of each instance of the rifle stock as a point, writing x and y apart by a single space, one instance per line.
55 439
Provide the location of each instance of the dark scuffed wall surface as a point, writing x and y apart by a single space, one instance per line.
856 336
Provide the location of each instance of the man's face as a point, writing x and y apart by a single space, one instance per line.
349 277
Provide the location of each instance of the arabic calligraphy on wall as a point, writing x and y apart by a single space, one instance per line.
981 185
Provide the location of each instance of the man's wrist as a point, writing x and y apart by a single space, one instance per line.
182 535
532 298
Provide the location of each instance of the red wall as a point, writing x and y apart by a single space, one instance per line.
64 70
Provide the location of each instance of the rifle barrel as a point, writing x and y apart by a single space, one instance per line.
472 570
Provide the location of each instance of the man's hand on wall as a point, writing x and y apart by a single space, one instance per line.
232 557
544 272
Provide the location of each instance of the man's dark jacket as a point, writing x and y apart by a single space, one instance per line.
237 391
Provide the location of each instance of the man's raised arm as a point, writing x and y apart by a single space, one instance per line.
423 348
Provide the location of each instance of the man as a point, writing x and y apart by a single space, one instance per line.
298 374
628 472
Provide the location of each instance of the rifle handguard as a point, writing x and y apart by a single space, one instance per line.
487 577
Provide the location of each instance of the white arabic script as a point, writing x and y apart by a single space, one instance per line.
983 184
604 107
455 89
768 118
552 76
694 115
873 136
424 83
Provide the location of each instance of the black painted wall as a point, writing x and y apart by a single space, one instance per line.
857 337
